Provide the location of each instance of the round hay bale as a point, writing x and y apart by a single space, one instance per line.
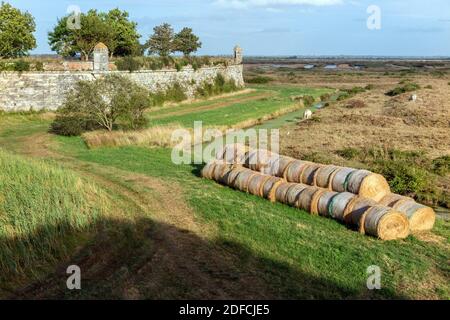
356 209
305 198
283 164
340 178
421 218
323 175
338 205
271 184
229 178
219 171
324 201
256 183
385 223
315 201
272 165
282 191
294 171
309 173
242 179
294 193
258 160
232 154
393 199
367 184
208 170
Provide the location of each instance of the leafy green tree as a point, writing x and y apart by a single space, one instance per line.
16 32
113 28
187 42
162 40
125 35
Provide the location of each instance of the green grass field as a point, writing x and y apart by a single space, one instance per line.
172 234
235 112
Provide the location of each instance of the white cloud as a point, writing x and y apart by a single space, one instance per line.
243 4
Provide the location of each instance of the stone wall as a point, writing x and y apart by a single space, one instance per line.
46 90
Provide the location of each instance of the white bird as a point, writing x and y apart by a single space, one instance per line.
413 98
307 115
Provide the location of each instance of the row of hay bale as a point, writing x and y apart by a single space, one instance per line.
363 214
348 181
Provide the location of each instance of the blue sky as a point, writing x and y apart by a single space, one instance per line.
279 27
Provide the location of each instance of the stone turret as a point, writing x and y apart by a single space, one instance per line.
238 57
101 57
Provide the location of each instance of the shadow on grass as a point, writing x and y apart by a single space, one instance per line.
153 260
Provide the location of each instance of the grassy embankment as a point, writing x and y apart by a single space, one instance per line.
200 240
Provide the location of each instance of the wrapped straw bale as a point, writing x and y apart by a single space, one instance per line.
294 171
421 218
306 197
270 187
242 179
356 209
294 193
338 205
315 201
385 223
282 190
323 176
367 184
338 183
219 171
393 199
309 173
229 178
232 154
256 183
208 169
324 202
258 160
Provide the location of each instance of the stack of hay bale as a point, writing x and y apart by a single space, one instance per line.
359 198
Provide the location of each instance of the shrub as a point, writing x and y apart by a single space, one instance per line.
441 165
369 87
408 87
308 101
22 65
325 97
100 104
39 66
220 85
129 63
343 96
259 80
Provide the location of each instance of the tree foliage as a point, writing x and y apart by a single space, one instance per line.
101 104
187 42
16 32
112 28
162 40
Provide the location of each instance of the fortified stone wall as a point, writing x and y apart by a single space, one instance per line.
47 90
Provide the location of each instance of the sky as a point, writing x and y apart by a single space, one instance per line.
279 27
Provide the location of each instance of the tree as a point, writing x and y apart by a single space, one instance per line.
16 32
112 28
100 104
162 40
187 42
125 35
